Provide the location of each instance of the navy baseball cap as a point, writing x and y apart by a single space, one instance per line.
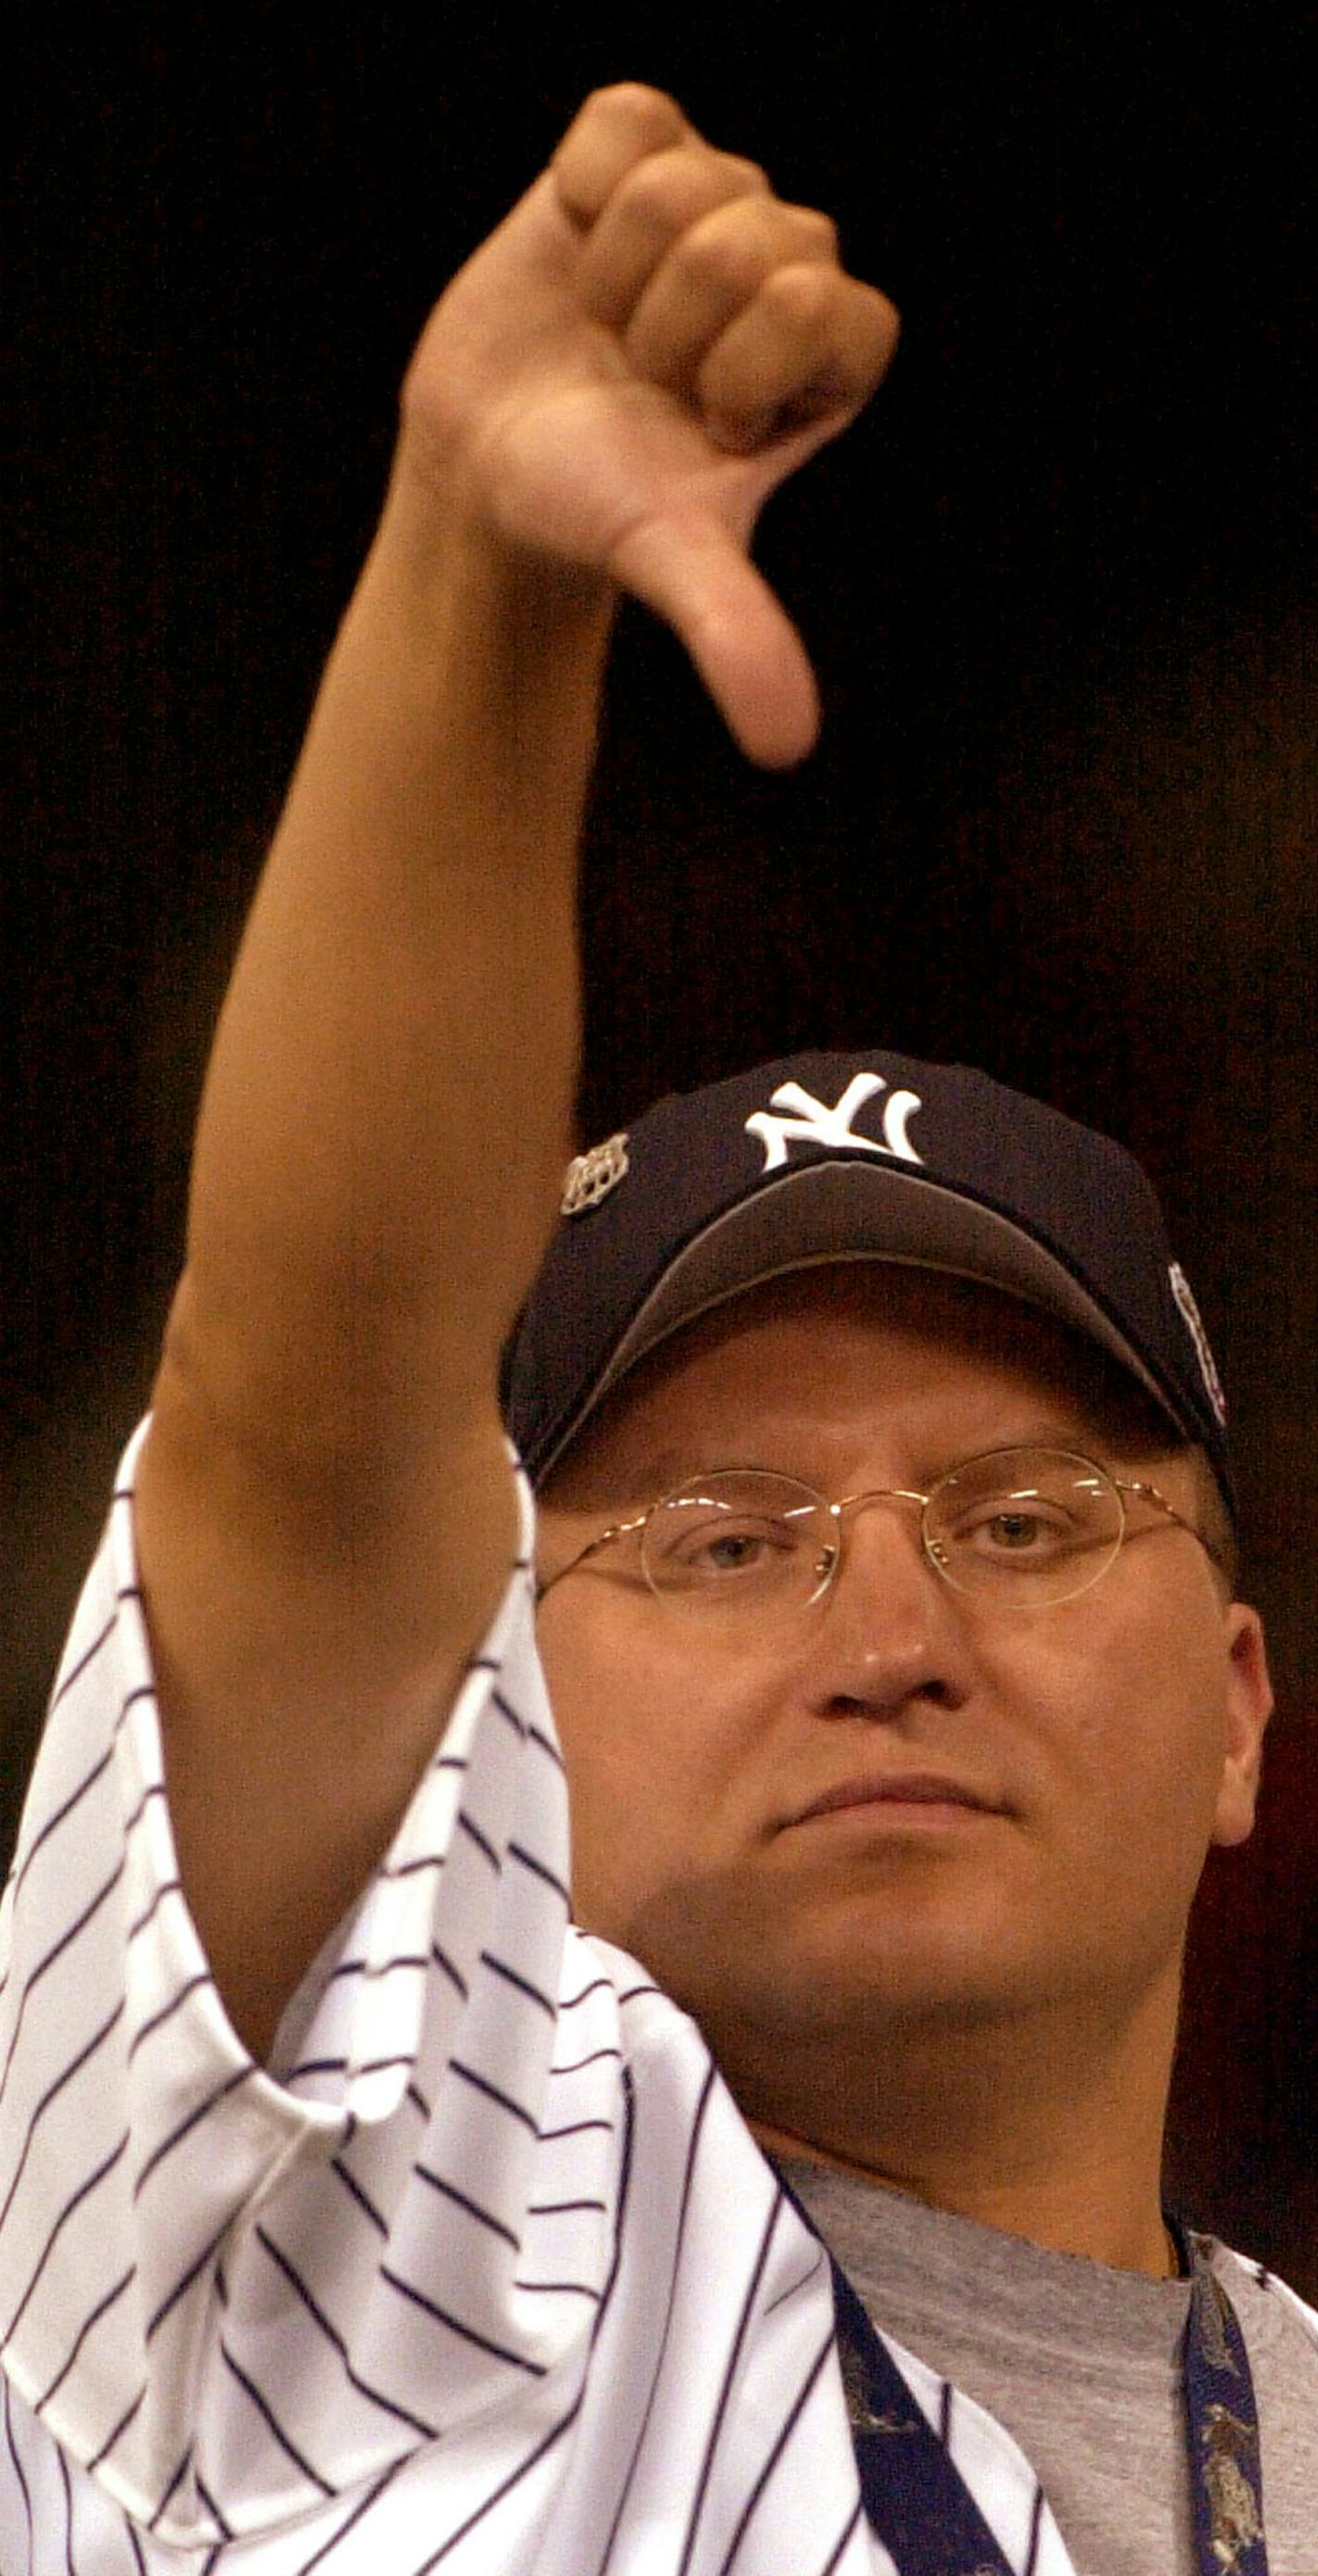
820 1158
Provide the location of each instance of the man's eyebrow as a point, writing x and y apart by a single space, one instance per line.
633 1484
1093 1438
659 1470
1074 1439
1042 1432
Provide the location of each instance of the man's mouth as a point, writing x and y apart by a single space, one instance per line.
898 1789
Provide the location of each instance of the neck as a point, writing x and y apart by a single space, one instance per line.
1139 2241
1060 2147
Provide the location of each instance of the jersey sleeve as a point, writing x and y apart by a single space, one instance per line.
231 2292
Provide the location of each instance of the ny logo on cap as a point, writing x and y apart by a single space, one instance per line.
817 1124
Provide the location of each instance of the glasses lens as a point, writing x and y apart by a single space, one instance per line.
736 1541
1030 1524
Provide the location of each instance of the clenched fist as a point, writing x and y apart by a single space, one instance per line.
622 374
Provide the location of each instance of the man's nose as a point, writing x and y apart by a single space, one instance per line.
893 1628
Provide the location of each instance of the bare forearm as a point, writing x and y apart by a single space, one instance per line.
389 1098
324 1514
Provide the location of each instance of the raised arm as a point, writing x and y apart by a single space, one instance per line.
602 400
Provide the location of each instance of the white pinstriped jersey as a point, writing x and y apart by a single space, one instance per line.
491 2278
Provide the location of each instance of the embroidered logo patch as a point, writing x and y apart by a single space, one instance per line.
1184 1295
590 1177
816 1124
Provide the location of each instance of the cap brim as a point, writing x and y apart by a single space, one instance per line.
838 1211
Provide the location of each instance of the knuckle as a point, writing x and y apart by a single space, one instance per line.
881 322
656 193
648 113
681 186
816 229
726 258
736 245
747 175
801 292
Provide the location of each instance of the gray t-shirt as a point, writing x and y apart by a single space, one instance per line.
1081 2364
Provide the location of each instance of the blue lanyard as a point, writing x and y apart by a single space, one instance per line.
1221 2426
920 2507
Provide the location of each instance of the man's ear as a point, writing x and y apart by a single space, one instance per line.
1248 1708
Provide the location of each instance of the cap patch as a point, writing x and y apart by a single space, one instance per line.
590 1177
1184 1295
817 1124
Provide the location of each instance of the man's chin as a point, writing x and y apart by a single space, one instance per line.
847 1969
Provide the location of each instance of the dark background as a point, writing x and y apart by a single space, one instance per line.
1062 821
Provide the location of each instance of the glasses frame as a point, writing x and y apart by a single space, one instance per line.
1121 1486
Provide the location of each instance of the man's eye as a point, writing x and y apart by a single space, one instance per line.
729 1551
1018 1529
720 1551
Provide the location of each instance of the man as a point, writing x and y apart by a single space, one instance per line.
355 2212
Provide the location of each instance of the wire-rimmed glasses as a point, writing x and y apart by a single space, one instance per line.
1026 1527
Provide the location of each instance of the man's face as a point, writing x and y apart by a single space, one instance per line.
1090 1751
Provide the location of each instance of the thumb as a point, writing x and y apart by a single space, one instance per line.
693 573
